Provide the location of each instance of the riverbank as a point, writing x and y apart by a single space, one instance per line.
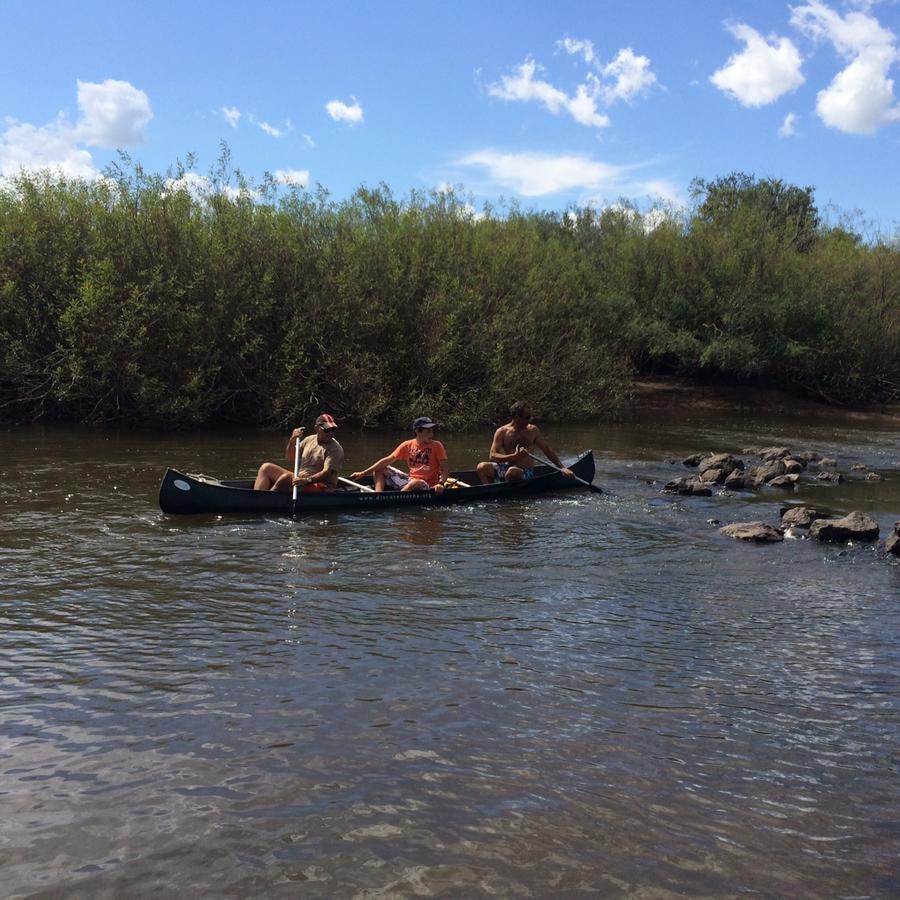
671 395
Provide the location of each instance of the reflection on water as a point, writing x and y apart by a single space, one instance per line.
578 695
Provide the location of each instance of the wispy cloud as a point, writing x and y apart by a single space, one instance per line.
624 78
788 126
860 98
271 130
762 72
536 174
351 113
231 114
112 114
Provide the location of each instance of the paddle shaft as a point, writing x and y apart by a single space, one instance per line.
297 460
355 484
547 462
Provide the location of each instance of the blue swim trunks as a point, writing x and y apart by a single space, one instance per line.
500 470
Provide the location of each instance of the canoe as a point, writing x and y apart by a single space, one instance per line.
181 494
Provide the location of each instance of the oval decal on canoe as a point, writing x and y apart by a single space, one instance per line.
181 485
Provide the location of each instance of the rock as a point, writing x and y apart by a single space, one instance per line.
808 456
712 476
769 471
799 517
759 532
892 544
724 461
854 527
831 477
827 463
873 476
858 467
687 487
742 481
694 461
793 466
785 481
770 453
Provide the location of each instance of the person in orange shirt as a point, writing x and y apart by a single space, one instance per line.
425 457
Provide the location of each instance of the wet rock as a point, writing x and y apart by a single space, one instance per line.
724 462
827 463
858 467
712 476
830 477
694 461
769 453
793 466
742 481
785 481
688 487
873 476
892 544
799 516
854 527
808 456
758 532
771 470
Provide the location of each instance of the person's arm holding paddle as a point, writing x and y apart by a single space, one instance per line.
550 453
376 470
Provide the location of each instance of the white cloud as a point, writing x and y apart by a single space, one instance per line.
231 114
860 98
632 76
850 34
573 46
114 114
271 130
201 188
624 78
341 112
788 126
524 87
292 177
536 174
54 146
762 72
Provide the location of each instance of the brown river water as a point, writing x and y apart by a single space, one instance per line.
574 696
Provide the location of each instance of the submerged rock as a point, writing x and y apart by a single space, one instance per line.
892 544
785 481
830 477
856 526
690 487
758 532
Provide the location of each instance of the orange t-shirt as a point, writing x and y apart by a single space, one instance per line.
424 460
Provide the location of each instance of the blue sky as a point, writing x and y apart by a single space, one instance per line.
546 104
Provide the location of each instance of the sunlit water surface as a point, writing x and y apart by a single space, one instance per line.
573 696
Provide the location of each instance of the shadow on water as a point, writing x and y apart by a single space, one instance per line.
577 695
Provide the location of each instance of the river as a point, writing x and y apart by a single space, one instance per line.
581 695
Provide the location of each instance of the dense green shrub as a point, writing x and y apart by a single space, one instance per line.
136 299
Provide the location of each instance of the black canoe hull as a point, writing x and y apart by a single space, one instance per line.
181 494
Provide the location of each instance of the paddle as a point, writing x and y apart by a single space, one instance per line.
546 462
297 460
356 484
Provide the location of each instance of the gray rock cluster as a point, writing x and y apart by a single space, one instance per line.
855 526
779 467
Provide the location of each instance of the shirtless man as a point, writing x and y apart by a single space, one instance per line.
511 458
